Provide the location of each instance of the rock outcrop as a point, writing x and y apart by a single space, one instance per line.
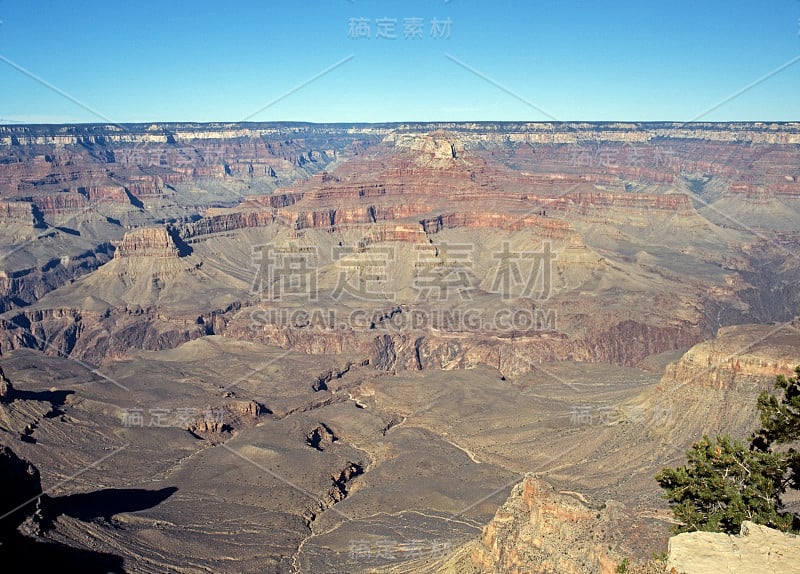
541 530
756 549
21 213
215 421
21 506
738 356
161 242
717 382
547 532
6 389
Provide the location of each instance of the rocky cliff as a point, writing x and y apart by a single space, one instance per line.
756 549
21 287
21 213
718 381
152 242
528 132
541 530
738 356
6 388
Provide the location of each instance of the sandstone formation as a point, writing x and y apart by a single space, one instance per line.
534 132
755 549
21 212
225 418
739 355
151 242
418 190
718 381
541 530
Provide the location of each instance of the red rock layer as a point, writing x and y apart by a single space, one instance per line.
148 242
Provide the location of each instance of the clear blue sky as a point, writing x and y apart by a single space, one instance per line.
138 61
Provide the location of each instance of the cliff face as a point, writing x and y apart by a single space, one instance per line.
717 382
503 132
100 336
160 243
435 346
21 213
433 182
6 389
73 172
225 221
541 530
738 356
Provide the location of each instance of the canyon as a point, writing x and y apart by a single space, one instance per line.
339 348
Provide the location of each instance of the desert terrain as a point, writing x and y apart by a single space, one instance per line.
342 348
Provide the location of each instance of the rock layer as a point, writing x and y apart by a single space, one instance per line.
755 549
541 530
159 243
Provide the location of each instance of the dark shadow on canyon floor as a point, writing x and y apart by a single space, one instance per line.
23 554
103 504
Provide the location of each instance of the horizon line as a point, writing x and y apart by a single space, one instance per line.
20 124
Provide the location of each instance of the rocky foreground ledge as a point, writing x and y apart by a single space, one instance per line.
756 549
542 530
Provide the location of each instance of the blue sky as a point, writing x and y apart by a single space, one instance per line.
140 61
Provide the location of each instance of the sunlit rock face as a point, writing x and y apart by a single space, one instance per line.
755 549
